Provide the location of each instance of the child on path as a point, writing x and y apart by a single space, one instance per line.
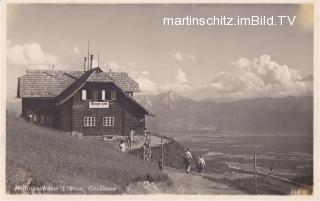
122 146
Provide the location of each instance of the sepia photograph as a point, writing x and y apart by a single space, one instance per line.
160 99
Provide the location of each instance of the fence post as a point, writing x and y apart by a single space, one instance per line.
255 173
161 152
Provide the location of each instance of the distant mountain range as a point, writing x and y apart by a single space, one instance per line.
259 115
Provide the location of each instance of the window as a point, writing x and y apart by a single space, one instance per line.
108 95
108 121
103 95
84 95
113 95
89 121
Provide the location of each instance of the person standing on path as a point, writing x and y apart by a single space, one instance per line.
148 152
187 160
201 164
131 136
142 153
146 132
148 138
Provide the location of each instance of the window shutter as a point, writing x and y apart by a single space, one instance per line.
103 95
84 95
113 95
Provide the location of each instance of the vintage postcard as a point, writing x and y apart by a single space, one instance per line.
159 99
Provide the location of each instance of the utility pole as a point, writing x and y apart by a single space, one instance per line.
161 152
255 173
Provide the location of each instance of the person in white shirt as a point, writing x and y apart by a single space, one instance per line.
201 164
122 146
131 136
148 152
187 160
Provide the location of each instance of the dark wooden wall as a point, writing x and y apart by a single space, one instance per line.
125 113
65 116
41 106
70 115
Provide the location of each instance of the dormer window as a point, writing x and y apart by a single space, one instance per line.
113 95
108 95
103 95
84 95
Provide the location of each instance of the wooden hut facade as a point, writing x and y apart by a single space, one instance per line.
93 102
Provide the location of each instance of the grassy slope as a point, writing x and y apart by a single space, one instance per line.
55 158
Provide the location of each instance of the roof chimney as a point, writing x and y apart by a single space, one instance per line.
91 59
109 72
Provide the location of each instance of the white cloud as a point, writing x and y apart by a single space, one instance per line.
176 87
184 57
94 63
180 83
131 68
178 56
141 76
76 49
260 77
114 66
181 77
29 54
147 86
144 72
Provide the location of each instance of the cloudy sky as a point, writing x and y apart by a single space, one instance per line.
198 62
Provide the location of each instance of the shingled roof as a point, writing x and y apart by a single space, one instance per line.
50 84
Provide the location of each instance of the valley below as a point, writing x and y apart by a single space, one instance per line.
286 155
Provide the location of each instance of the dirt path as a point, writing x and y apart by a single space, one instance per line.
194 183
